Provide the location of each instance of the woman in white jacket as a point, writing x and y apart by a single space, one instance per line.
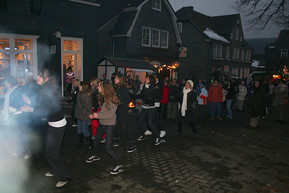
241 94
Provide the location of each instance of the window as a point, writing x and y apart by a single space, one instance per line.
220 51
241 38
237 34
237 54
155 38
234 54
241 73
146 36
237 71
226 68
284 54
242 55
249 56
215 51
18 56
164 39
227 52
231 35
157 5
180 27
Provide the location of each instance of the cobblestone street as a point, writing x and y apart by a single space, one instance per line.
227 156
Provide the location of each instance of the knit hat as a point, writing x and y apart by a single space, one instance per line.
202 84
191 83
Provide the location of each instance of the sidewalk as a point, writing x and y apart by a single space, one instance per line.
227 156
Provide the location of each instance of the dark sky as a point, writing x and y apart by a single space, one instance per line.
225 7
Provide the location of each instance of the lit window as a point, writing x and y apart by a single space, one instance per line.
155 38
146 36
164 39
180 27
157 5
284 54
18 56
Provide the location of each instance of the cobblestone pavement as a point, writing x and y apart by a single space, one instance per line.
227 156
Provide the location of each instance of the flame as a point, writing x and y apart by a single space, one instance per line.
131 105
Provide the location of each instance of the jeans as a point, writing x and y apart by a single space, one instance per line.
229 107
82 127
53 148
108 130
147 115
215 109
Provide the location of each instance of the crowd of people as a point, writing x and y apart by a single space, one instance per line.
100 110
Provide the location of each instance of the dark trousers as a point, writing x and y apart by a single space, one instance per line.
108 130
121 124
157 119
163 110
53 153
201 112
147 116
191 123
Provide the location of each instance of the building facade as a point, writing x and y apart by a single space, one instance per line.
215 46
145 30
277 54
54 34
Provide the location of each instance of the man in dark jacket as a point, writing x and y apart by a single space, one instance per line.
174 95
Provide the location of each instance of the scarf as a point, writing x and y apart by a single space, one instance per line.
184 103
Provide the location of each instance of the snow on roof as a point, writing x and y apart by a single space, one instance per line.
256 63
215 36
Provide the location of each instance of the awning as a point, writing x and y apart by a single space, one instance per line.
228 73
137 65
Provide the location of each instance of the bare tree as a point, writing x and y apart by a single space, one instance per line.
259 13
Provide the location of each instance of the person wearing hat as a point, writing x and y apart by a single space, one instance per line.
187 105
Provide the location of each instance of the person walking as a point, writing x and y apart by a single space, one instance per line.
230 95
82 112
280 100
122 113
187 105
49 106
215 97
256 104
164 101
108 103
174 94
147 114
241 94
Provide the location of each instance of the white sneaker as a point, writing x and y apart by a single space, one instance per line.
60 184
27 155
74 125
147 132
48 174
163 133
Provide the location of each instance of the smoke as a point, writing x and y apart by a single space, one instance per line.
14 168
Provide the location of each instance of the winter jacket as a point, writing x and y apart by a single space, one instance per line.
149 96
242 92
215 94
123 96
166 92
202 97
230 92
281 91
257 102
107 115
83 106
174 94
191 104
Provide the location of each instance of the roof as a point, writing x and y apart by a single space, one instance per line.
124 22
128 63
221 25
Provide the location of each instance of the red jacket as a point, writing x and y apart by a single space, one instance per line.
215 94
165 98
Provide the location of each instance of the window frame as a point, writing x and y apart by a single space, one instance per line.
220 51
215 50
227 52
237 34
155 3
284 54
150 36
167 39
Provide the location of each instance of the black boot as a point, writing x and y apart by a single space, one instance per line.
180 128
195 131
80 140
